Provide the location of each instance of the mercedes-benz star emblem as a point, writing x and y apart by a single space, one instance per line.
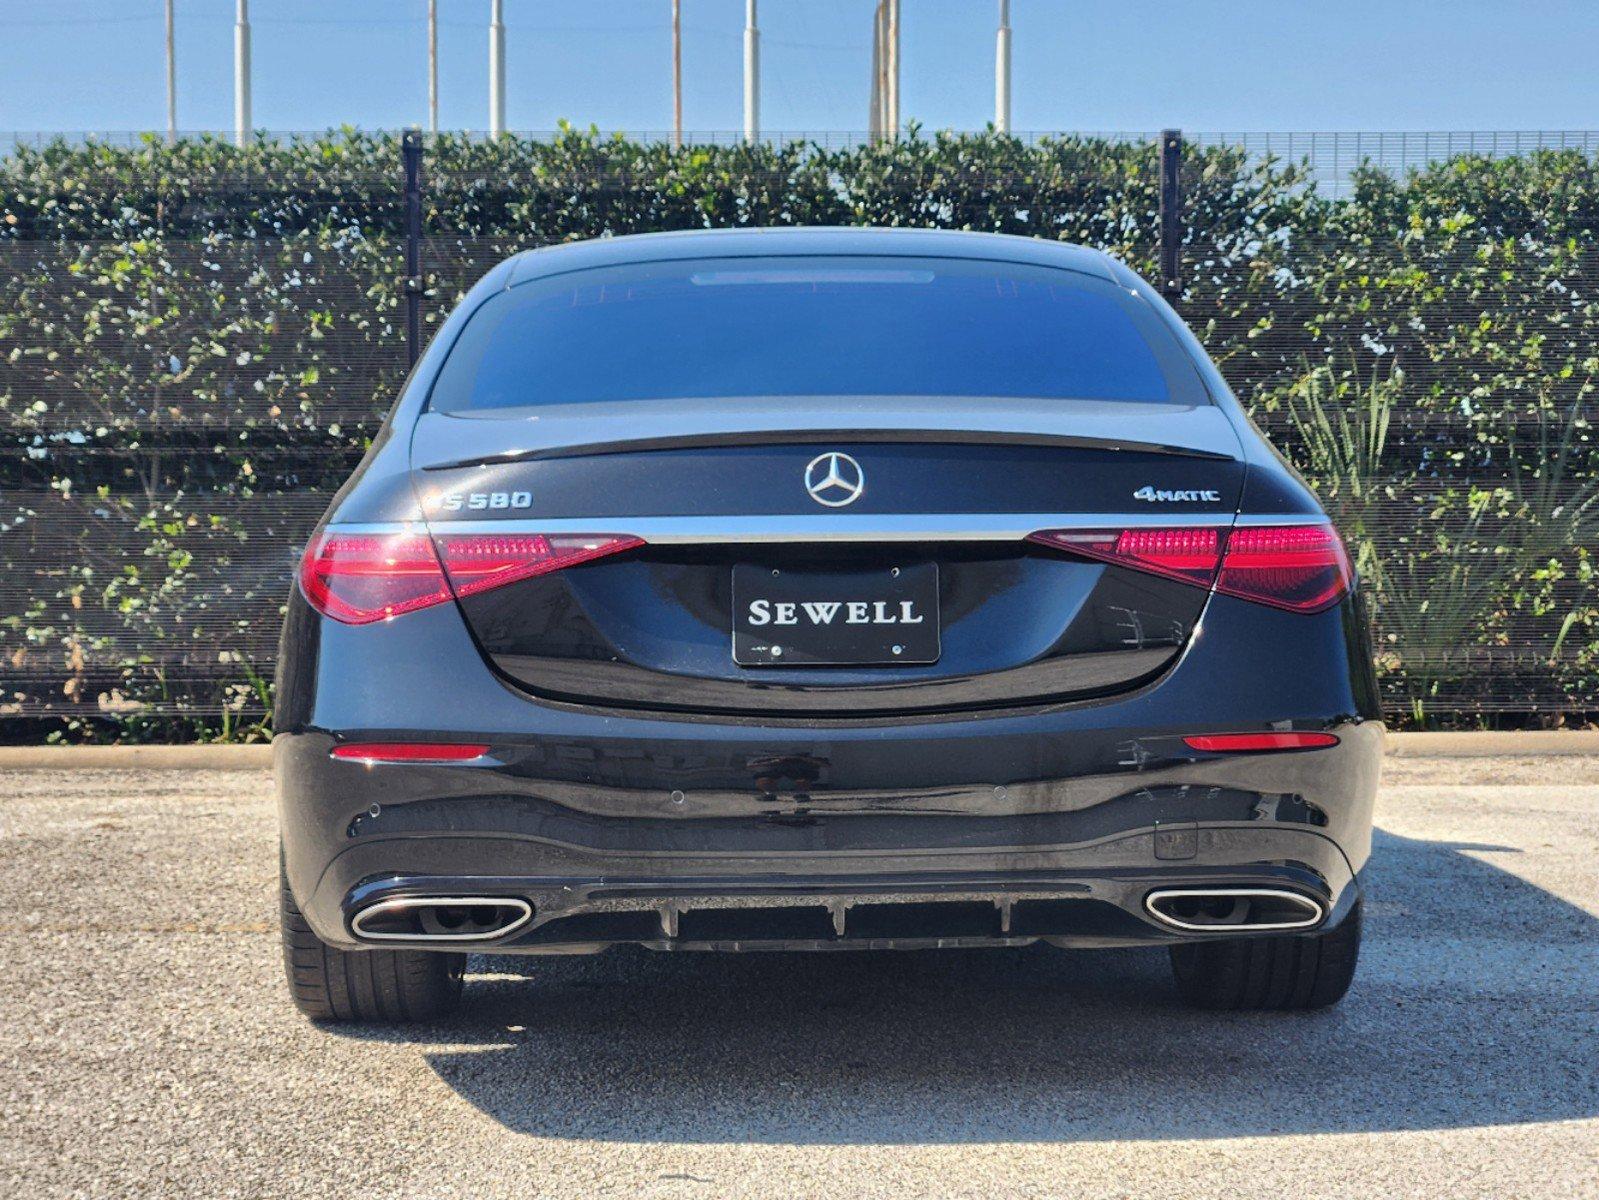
834 479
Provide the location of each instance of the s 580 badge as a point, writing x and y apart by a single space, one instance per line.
480 501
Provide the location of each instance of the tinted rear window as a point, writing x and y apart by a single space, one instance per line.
814 326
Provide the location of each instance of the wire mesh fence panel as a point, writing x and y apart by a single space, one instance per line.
198 342
1334 160
197 345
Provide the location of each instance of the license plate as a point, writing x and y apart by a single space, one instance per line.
835 618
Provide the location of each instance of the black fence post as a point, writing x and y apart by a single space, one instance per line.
411 155
1171 215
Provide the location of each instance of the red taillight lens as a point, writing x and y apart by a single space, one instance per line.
360 578
1189 555
477 562
371 752
1239 743
1302 568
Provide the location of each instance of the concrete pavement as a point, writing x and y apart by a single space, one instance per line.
149 1048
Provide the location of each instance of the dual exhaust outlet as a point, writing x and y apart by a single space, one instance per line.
1217 910
484 918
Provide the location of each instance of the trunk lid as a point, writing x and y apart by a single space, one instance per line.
948 493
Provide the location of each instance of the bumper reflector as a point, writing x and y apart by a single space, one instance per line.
412 752
1252 743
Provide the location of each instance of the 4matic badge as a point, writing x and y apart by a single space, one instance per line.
1161 496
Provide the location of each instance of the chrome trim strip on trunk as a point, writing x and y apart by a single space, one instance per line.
835 527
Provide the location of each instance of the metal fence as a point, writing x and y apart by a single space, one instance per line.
196 345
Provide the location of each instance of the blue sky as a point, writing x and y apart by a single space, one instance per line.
1204 65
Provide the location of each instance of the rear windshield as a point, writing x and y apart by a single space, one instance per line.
814 326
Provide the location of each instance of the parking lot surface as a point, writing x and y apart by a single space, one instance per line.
149 1048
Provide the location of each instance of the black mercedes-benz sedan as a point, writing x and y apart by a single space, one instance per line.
821 589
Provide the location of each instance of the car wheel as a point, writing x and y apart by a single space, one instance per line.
329 984
1280 973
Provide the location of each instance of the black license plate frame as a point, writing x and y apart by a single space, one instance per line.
853 618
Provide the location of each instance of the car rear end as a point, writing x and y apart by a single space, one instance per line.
821 590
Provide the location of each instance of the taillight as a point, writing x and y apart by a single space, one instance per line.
1301 568
477 562
360 578
1189 555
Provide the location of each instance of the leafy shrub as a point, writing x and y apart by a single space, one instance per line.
199 341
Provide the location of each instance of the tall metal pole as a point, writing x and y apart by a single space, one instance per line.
172 80
752 74
411 156
677 73
242 123
893 68
496 68
1171 214
874 122
433 66
1002 70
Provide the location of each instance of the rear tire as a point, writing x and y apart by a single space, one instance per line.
1270 973
329 984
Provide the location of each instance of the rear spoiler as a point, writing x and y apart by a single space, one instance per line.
765 437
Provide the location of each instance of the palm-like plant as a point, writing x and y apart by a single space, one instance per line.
1341 424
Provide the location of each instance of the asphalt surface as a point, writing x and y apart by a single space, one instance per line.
148 1047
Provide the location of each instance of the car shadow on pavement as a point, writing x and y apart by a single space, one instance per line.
1477 1003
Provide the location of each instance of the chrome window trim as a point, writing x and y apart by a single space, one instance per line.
836 527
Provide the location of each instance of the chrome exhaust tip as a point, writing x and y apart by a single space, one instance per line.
440 918
1217 910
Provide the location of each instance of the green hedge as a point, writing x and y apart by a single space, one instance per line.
198 341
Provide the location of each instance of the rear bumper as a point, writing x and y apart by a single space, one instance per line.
1070 860
1085 906
687 833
